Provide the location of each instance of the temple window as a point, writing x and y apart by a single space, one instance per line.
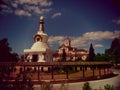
38 39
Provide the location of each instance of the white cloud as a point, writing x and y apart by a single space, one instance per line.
22 13
56 14
6 9
4 6
99 45
78 41
46 10
14 5
36 9
56 39
86 38
43 3
26 7
117 21
100 35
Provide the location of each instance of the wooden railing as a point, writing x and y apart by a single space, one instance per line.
102 68
55 63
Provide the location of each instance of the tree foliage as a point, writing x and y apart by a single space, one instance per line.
22 82
112 54
103 57
64 55
86 86
6 52
108 87
114 51
91 53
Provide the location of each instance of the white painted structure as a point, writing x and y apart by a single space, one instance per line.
40 50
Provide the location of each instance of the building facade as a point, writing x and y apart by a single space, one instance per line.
71 53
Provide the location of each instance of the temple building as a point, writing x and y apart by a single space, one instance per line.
40 50
72 53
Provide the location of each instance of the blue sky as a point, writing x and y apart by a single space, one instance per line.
84 21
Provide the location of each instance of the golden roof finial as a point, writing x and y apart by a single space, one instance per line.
41 17
41 27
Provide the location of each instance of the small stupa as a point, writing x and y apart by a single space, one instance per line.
40 50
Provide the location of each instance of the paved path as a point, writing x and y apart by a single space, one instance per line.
115 81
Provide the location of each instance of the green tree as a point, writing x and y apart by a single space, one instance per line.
108 87
6 52
86 86
98 57
64 55
22 81
91 53
102 57
114 51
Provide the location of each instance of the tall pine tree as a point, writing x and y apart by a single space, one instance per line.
91 53
64 55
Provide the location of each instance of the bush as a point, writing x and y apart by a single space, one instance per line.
86 86
108 87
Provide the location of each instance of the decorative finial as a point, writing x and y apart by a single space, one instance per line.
41 17
41 27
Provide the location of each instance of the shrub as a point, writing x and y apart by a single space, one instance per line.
108 87
86 86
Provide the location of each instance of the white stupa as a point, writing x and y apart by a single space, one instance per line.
40 50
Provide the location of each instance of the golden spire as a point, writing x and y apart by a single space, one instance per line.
41 27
